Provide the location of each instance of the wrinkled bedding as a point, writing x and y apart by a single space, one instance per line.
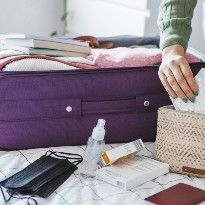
89 191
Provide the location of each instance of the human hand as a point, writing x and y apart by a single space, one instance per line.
176 75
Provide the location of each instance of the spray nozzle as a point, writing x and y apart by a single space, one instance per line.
99 131
101 123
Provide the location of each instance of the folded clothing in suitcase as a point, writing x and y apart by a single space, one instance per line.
54 108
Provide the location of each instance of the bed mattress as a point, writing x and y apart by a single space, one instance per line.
89 191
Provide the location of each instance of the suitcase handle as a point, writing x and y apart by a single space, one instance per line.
139 104
62 108
109 106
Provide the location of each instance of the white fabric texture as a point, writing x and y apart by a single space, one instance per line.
36 64
76 60
89 191
7 53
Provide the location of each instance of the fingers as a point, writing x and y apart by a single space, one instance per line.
180 84
171 85
166 85
187 73
177 78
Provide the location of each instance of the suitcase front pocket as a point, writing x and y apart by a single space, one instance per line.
61 108
66 108
39 109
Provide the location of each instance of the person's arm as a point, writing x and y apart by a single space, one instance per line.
174 22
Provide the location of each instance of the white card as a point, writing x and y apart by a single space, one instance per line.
199 105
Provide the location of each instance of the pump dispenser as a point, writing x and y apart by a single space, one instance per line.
94 149
99 130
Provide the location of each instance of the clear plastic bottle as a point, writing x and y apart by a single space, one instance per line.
94 149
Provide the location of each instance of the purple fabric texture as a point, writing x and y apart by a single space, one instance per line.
33 105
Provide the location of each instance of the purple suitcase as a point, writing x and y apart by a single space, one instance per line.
33 106
45 109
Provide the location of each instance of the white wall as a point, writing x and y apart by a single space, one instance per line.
39 17
90 17
104 18
197 38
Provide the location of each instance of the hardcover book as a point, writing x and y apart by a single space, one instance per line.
42 51
33 43
179 194
44 38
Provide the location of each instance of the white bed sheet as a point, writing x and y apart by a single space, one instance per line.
89 191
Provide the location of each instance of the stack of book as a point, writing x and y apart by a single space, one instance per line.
40 45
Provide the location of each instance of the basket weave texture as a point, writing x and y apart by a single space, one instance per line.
180 141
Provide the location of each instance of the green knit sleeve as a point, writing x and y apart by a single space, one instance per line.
174 22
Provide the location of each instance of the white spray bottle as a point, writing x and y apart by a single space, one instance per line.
94 149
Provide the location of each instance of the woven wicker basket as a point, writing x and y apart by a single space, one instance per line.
181 141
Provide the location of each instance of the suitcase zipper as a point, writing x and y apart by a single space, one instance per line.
53 73
86 71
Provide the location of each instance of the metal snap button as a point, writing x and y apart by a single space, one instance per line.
146 103
69 109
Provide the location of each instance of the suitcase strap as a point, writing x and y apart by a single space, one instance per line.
139 104
60 108
94 43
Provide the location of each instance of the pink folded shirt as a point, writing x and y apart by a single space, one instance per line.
129 57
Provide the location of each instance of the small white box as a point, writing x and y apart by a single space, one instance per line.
125 150
132 172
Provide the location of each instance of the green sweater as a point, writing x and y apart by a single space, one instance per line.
174 22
